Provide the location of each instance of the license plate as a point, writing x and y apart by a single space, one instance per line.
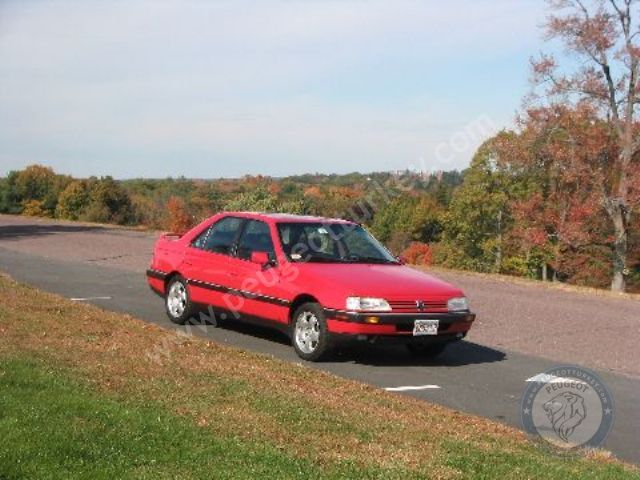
425 327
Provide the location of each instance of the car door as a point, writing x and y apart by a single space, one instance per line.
258 291
206 261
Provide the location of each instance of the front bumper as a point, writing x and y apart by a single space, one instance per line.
395 324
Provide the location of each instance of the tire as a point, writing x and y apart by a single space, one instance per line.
309 333
427 350
177 302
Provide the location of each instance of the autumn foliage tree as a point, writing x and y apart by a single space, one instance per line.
35 189
179 220
72 201
603 36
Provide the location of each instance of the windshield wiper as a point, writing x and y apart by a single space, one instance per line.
320 259
358 259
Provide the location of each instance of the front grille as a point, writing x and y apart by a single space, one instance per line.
411 306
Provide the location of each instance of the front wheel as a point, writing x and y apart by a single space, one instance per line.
311 338
177 302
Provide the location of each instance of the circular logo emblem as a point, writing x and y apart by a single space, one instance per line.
568 406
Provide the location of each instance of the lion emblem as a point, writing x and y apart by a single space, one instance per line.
565 412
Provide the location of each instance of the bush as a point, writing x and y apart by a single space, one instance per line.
515 266
179 219
72 201
109 202
418 253
33 208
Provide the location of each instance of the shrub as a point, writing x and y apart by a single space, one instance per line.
179 219
72 201
418 253
33 208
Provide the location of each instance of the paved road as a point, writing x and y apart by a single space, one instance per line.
472 378
601 331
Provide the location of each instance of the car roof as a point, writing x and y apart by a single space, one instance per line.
288 217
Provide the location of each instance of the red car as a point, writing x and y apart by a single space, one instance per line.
318 279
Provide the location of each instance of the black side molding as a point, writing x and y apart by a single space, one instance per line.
240 293
221 288
156 274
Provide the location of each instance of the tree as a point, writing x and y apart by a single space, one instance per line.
109 202
559 147
8 197
179 219
72 201
408 218
261 200
479 216
40 184
603 36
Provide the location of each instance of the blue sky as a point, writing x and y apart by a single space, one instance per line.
210 89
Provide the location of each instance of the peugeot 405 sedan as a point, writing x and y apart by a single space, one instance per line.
318 279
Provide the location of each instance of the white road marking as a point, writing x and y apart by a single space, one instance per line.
410 387
86 299
546 378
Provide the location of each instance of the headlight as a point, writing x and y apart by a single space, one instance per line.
368 304
457 304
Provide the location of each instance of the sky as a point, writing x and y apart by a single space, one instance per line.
211 89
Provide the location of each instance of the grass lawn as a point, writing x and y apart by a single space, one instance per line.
86 393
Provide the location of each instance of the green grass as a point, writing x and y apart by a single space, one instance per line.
55 427
528 463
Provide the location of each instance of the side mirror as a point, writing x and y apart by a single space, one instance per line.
261 258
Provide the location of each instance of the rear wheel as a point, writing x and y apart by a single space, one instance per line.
177 302
311 338
426 350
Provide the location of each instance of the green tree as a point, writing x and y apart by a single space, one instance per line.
109 202
261 200
408 218
72 201
8 202
479 216
40 184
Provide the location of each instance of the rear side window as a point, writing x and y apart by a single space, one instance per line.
256 237
220 236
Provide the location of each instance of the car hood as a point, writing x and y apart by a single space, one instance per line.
378 280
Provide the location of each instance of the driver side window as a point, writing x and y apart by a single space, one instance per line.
255 238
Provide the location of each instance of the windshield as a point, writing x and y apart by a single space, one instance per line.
331 243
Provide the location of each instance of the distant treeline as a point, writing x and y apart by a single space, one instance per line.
467 220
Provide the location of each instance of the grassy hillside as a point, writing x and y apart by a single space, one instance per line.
92 394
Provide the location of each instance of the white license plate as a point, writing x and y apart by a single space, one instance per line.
425 327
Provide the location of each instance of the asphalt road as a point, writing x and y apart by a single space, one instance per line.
470 377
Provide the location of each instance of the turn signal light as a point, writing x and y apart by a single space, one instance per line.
372 319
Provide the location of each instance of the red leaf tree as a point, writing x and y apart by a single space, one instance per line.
602 91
